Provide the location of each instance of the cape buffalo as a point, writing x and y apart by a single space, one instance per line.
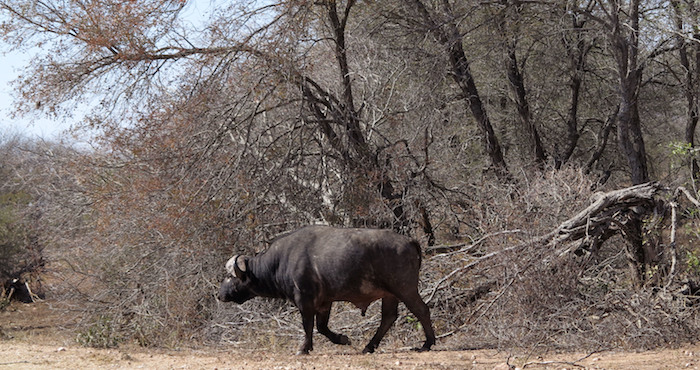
318 265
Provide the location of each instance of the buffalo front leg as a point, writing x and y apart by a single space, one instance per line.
322 318
390 311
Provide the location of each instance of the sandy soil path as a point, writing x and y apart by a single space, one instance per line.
18 354
28 340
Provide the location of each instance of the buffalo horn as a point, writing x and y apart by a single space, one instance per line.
236 266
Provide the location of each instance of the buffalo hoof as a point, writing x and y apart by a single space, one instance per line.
368 349
343 340
421 349
305 349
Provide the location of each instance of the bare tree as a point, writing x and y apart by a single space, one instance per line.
508 22
577 46
440 22
687 41
621 21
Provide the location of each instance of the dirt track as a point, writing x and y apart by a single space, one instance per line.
17 354
26 343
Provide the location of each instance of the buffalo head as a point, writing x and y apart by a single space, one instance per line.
236 288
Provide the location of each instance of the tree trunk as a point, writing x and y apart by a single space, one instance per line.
462 75
516 80
347 118
624 39
629 130
350 116
691 96
577 50
449 36
603 136
694 109
517 83
572 134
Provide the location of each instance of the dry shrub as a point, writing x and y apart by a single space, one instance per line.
529 297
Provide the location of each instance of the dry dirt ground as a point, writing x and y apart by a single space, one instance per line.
31 337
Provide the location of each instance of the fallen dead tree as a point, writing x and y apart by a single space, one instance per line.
624 212
615 212
610 213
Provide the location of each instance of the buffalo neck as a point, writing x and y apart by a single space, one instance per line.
263 272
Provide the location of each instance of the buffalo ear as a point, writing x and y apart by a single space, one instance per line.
237 266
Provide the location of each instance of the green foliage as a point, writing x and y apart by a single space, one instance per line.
692 261
413 321
4 300
679 148
692 213
681 153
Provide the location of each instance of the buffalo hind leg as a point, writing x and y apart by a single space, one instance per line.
390 311
415 304
322 318
307 321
